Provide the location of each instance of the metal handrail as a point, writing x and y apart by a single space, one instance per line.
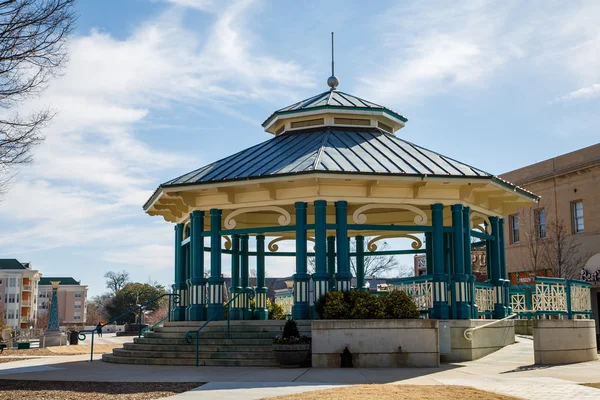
468 333
151 328
188 335
82 336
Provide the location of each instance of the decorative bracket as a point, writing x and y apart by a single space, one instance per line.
416 244
482 216
284 219
360 218
272 246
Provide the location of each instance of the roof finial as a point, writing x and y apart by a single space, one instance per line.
332 81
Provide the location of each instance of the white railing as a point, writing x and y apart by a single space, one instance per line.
421 293
484 298
549 297
580 299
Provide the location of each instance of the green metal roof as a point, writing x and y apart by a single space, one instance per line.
11 263
64 281
333 99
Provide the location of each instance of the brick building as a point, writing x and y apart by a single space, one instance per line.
568 213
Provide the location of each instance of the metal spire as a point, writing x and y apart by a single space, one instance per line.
332 81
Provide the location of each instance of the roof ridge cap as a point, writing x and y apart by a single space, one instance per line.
320 153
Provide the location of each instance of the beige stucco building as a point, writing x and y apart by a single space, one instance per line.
569 187
72 299
18 293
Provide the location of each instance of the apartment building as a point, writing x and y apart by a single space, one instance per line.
569 209
72 299
18 293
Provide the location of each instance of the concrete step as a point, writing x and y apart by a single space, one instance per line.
222 355
212 335
204 341
197 324
221 329
190 361
192 347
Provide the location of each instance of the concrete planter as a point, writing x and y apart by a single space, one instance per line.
291 355
558 341
484 341
384 343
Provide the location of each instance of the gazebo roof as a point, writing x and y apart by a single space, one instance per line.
329 149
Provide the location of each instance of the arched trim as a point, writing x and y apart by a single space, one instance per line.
475 214
284 219
360 218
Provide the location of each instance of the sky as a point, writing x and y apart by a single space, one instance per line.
157 88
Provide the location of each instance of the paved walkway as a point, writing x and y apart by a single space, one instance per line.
509 371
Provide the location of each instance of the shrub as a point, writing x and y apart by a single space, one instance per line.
276 311
399 305
291 335
290 329
336 306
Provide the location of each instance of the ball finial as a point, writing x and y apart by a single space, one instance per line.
333 82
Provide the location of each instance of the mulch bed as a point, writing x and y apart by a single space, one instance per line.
47 390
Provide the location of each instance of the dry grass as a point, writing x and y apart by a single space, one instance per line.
6 360
396 392
46 390
592 385
62 350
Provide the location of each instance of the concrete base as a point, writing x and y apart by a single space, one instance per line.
524 327
52 338
564 341
376 343
485 341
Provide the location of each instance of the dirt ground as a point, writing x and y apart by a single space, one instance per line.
62 350
47 390
396 392
593 385
6 360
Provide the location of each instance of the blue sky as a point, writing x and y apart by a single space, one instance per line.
157 88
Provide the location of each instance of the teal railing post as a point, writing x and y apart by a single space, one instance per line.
245 277
261 311
360 263
320 277
235 312
440 301
331 263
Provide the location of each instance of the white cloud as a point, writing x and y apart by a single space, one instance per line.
95 169
581 94
433 48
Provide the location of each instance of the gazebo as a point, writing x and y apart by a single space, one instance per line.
336 168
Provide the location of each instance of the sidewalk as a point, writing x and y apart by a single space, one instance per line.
509 371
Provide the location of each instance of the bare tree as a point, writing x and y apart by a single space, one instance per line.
2 319
563 252
32 50
42 319
375 265
116 280
535 246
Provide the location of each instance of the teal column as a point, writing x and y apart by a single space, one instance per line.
360 263
235 312
331 263
260 312
503 275
185 301
469 260
429 253
196 311
245 277
495 269
440 279
343 276
178 312
301 308
460 280
215 282
320 277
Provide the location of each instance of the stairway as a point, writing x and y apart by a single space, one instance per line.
249 344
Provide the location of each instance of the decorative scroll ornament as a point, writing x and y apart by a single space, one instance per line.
284 219
478 228
272 246
227 242
416 244
360 218
476 214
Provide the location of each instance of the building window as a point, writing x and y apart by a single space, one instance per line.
577 216
540 222
513 222
77 304
78 294
12 282
11 298
77 316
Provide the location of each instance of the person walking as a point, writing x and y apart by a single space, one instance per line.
99 329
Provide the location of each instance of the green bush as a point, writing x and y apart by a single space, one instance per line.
290 329
399 305
355 304
336 306
276 311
